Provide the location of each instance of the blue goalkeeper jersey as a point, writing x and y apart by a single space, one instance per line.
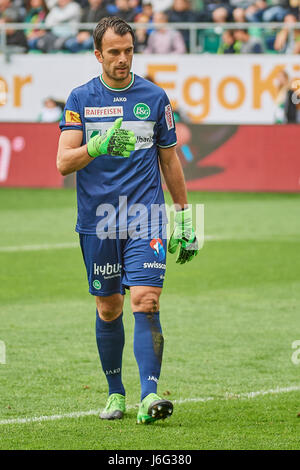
117 182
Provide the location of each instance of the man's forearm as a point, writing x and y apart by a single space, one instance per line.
72 156
72 159
174 178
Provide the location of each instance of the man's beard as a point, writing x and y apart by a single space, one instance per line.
116 77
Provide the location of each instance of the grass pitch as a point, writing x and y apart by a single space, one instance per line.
229 320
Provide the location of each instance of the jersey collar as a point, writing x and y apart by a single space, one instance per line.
118 89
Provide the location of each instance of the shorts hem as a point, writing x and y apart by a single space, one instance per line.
147 284
106 294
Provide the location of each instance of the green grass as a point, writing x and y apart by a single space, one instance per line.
229 319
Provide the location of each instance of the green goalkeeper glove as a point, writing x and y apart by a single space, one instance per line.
115 142
183 235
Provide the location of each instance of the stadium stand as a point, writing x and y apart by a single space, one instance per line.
270 26
164 41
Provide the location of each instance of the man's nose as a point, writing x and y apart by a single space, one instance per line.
122 57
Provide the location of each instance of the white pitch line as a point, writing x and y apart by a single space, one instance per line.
48 246
274 391
60 246
82 414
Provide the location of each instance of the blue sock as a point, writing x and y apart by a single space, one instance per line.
110 341
148 349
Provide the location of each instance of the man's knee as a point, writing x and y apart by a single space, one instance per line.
145 299
109 308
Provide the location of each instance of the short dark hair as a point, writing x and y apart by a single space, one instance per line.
115 23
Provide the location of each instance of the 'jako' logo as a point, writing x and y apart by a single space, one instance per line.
141 111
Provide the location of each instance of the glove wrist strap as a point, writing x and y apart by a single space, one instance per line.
92 149
183 216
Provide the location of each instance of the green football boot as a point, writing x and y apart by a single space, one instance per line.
115 407
153 408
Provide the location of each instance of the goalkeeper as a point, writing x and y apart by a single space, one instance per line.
117 130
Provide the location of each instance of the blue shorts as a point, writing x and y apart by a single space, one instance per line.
113 265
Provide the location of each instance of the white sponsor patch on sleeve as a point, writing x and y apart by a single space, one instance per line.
169 117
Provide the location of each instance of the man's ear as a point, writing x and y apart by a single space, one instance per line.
98 55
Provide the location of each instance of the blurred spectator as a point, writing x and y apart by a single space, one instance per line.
220 15
211 5
255 10
283 86
250 11
83 41
163 40
265 11
197 5
292 104
125 10
287 101
181 12
122 9
135 5
141 34
51 111
7 6
228 44
161 5
243 4
94 12
83 3
210 39
14 37
147 9
36 13
287 40
239 15
60 19
294 7
276 11
51 3
21 8
249 44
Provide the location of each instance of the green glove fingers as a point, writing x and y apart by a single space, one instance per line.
187 254
173 244
115 142
118 123
121 144
184 236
